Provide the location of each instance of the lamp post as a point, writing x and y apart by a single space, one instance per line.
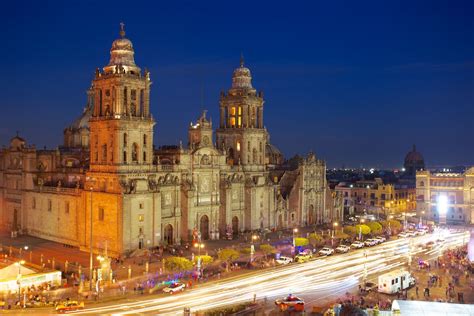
334 225
252 247
199 246
360 228
19 264
295 230
389 225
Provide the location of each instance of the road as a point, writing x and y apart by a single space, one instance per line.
325 278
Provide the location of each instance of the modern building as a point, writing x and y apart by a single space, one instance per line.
449 192
108 182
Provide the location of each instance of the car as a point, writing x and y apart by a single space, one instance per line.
284 260
380 239
429 245
370 242
421 232
326 251
343 248
69 306
174 288
304 256
290 303
403 235
411 233
357 244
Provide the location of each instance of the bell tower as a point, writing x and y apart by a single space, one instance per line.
121 126
241 132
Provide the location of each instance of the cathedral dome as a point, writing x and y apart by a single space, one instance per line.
414 156
242 78
122 55
413 162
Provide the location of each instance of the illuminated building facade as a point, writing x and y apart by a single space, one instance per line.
108 172
457 189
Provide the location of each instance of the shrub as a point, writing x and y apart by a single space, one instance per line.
205 260
365 229
300 242
176 264
375 227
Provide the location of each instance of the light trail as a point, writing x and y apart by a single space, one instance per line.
334 274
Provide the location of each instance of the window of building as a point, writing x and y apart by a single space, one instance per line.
292 217
144 156
66 207
141 205
104 152
238 146
382 196
135 152
50 205
125 139
141 218
140 230
133 94
232 111
33 203
101 214
144 140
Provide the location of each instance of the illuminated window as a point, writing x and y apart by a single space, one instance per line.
239 121
232 110
238 146
240 110
232 121
141 218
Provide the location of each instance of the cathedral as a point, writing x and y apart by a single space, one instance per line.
108 185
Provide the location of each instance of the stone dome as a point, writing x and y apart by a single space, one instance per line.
242 78
122 55
413 156
413 162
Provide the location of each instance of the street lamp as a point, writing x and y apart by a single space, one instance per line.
199 246
295 230
334 225
19 264
252 247
360 228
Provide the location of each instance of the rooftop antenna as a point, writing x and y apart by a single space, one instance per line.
242 60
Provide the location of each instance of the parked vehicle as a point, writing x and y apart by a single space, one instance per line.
420 232
326 251
395 281
403 235
357 245
380 239
370 242
343 249
304 256
284 260
290 303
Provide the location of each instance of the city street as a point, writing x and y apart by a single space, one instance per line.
320 280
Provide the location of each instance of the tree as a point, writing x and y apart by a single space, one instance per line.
205 260
395 225
267 250
375 228
176 264
341 235
228 255
350 230
299 241
365 229
245 251
315 239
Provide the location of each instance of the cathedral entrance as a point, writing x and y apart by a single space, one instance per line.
235 226
168 234
204 227
311 215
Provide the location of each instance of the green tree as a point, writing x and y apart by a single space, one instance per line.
315 239
350 230
341 235
365 229
375 228
299 241
245 251
267 250
395 225
228 255
205 260
176 264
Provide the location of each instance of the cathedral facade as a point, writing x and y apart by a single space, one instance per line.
107 180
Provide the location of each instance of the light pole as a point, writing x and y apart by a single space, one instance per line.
360 228
199 246
295 230
91 259
252 247
19 264
389 225
334 225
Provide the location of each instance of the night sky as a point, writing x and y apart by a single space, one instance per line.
358 82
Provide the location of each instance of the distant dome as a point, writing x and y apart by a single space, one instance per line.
414 156
413 162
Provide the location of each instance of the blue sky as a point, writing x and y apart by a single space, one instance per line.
358 82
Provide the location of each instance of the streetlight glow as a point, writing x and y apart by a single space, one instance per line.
442 204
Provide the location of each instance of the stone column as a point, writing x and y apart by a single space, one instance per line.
260 117
245 122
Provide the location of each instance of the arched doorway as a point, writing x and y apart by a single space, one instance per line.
204 227
280 221
311 215
235 226
168 234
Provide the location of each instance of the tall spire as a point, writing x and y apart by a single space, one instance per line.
242 59
122 30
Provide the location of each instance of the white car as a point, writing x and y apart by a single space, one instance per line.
284 260
326 251
421 232
380 239
371 242
343 249
403 235
174 288
357 244
411 233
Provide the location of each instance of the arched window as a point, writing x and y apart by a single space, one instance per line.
124 156
144 140
125 139
135 152
144 156
422 184
125 100
255 158
104 152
